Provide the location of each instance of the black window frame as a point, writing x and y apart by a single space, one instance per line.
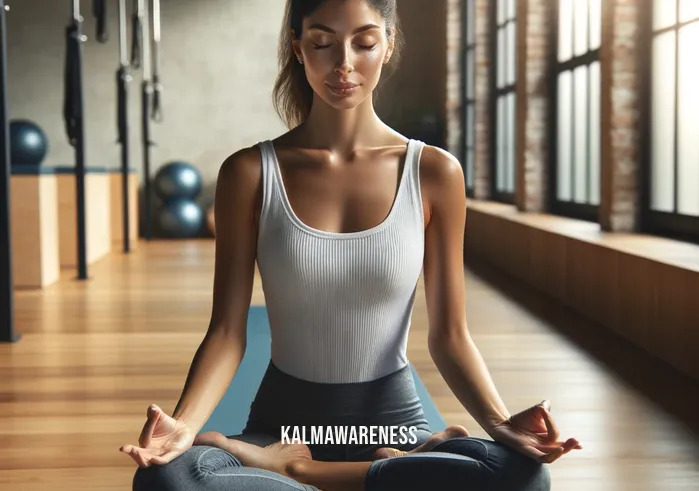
582 211
668 224
497 93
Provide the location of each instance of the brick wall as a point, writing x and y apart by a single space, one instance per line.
620 73
482 151
532 105
620 100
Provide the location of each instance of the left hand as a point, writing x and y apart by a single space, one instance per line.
534 433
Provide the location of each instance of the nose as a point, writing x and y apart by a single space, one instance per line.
344 62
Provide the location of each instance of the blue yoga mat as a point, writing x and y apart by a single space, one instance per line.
231 414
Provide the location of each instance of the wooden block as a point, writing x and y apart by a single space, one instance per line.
117 209
98 235
34 219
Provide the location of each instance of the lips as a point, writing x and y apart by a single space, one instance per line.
343 85
343 89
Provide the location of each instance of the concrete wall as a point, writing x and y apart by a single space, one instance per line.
218 67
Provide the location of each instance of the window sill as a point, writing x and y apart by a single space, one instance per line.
668 251
644 288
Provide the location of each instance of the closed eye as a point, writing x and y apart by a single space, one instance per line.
361 46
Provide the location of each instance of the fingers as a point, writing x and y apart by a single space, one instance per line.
571 444
532 452
555 455
530 420
165 459
144 458
545 457
153 414
549 456
139 455
553 431
551 427
552 456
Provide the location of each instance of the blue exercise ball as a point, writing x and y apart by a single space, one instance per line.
177 180
181 218
28 143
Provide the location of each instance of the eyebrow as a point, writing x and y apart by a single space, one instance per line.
321 27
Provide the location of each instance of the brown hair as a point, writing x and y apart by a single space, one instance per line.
293 94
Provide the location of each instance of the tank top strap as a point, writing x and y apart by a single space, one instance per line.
413 161
269 177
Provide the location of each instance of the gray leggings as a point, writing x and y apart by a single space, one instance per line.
458 464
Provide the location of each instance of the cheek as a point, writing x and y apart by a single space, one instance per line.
317 60
370 62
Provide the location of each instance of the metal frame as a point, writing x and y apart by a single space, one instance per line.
669 224
73 112
568 208
124 79
495 94
7 334
466 101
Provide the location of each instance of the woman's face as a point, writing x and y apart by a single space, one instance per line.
344 47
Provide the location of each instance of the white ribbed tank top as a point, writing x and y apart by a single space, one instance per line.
340 304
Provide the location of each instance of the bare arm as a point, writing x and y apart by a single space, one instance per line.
219 355
450 344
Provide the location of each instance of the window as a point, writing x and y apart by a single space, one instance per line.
575 172
671 197
503 100
469 98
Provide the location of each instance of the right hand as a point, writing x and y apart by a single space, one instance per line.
162 439
534 432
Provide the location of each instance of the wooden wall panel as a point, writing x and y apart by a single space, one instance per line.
652 303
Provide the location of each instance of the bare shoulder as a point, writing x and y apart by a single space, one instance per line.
441 174
241 169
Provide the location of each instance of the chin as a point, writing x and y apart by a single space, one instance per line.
344 104
349 101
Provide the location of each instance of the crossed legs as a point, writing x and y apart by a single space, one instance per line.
446 461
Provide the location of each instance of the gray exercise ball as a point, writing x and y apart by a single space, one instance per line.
177 180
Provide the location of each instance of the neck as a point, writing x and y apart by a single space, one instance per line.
342 130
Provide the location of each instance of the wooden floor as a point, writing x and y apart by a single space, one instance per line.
94 355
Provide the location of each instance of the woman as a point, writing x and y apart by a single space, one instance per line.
342 214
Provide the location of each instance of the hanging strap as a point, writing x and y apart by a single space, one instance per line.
99 11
